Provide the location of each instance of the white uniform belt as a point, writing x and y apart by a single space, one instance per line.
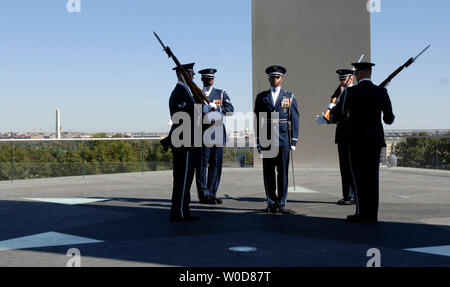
281 121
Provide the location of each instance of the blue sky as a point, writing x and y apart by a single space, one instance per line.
106 72
420 95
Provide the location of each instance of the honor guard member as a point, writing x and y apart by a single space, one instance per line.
210 171
284 103
346 80
363 105
184 157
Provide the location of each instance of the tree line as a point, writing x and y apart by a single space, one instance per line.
423 152
74 158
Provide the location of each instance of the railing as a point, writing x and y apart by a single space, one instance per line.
425 149
41 158
38 158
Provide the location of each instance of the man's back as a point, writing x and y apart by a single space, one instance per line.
364 104
180 100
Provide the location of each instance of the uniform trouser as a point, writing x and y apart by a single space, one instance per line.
210 171
200 175
272 181
365 164
184 161
346 173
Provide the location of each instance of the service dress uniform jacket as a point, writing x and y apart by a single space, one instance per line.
287 109
184 157
210 171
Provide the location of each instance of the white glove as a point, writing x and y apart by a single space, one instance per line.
169 122
320 120
213 106
292 147
331 106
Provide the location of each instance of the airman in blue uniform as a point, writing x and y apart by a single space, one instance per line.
209 173
185 156
283 134
364 105
348 187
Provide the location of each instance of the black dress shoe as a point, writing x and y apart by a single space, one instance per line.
218 200
345 202
270 209
208 200
358 218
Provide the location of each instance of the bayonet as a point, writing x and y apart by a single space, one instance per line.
165 48
420 54
405 65
199 97
160 41
360 59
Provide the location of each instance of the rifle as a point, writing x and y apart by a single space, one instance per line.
199 97
327 114
405 65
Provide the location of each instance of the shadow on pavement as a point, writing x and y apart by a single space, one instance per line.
143 233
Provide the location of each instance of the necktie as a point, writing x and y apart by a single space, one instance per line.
274 95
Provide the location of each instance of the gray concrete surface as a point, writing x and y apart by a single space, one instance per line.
132 222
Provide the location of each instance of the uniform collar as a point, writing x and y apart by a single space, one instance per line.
275 89
183 84
365 79
207 89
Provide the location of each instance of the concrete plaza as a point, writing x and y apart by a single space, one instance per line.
123 220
